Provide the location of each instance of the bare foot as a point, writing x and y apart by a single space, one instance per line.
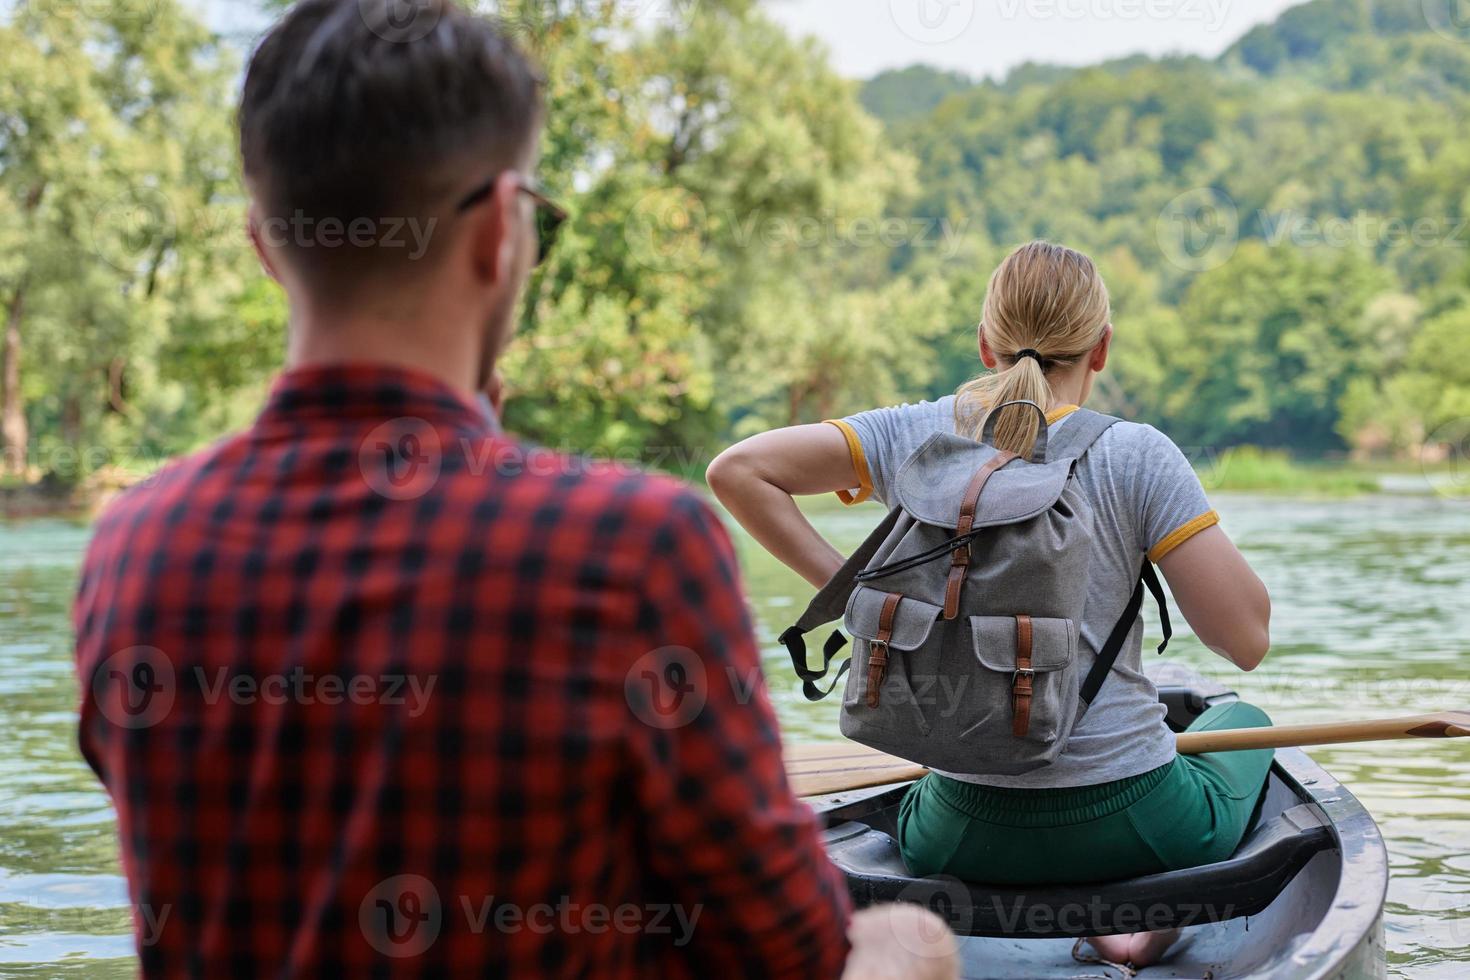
1147 948
1114 949
1139 949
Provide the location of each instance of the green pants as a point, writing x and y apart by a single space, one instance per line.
1193 811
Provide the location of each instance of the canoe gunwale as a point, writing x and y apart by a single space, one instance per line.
1354 922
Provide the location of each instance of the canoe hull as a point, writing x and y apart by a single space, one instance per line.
1325 924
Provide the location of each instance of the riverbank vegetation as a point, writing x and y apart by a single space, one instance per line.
1248 468
757 241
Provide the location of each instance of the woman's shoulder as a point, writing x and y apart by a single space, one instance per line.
1139 440
1133 462
882 438
910 419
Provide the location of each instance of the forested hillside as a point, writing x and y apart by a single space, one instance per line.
758 241
1284 229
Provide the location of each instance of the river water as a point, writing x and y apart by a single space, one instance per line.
1372 600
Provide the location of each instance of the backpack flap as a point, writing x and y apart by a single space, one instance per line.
911 621
1029 656
962 486
885 625
931 484
1053 643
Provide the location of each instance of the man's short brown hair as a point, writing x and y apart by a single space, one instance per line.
375 110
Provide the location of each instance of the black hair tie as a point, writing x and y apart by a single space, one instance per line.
1028 352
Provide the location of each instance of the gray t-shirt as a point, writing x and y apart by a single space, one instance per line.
1146 499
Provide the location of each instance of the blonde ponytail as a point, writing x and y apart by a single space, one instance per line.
1017 427
1051 303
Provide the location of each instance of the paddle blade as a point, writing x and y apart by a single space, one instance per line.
1457 724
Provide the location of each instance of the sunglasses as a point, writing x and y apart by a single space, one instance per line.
550 216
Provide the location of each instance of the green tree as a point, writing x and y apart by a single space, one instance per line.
1427 390
717 168
1275 338
893 96
122 209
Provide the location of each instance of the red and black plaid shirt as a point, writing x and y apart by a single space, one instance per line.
377 692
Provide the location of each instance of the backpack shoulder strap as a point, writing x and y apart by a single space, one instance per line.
1108 655
1078 433
829 604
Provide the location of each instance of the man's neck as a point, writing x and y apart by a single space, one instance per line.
451 356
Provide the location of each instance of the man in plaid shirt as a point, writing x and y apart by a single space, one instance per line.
376 690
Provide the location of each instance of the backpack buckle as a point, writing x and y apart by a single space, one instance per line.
958 567
1021 700
877 669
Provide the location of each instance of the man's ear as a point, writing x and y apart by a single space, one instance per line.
255 228
493 229
987 356
1099 359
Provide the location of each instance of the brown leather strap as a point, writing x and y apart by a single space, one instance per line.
1022 684
977 484
961 562
878 652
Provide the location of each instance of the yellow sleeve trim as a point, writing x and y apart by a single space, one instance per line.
1182 534
859 465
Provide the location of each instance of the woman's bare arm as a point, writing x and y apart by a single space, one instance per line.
757 480
1221 596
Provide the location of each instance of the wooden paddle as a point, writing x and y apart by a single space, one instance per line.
818 769
1445 724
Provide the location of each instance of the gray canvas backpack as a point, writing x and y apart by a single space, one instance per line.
965 606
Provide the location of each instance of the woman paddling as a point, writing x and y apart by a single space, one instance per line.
1118 802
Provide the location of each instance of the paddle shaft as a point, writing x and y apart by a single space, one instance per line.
1445 724
838 767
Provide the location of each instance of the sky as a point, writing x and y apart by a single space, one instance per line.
978 37
989 37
